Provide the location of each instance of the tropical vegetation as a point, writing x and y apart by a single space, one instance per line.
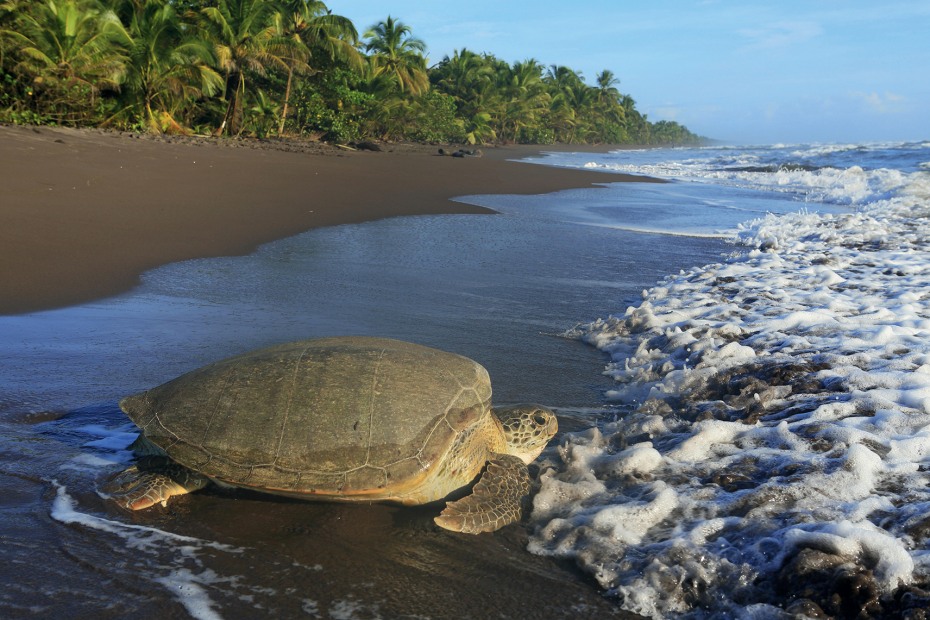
289 68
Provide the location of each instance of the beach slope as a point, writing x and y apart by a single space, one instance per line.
84 213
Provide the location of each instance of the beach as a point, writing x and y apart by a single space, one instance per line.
86 212
758 416
107 313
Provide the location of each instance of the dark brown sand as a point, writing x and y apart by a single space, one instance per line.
84 213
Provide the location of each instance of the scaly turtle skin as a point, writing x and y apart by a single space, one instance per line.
339 419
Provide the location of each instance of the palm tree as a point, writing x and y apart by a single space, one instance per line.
562 116
526 97
322 33
572 103
637 125
463 75
70 51
168 65
607 82
561 77
397 53
608 97
245 40
609 113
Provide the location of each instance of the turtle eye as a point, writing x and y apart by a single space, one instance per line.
540 418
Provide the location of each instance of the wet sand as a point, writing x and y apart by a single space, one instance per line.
84 213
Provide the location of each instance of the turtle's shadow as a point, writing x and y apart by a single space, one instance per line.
404 518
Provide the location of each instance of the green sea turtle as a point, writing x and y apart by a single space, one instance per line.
339 419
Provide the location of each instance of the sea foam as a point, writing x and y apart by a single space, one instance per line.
775 450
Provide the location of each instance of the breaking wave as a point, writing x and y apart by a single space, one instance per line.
771 451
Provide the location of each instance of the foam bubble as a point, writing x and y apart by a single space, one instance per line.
183 584
780 414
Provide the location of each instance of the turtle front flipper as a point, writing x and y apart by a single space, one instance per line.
138 488
495 501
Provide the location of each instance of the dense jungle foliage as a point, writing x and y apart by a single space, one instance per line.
289 67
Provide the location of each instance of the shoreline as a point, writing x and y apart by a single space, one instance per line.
87 212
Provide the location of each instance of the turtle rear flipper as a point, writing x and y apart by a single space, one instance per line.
140 488
496 500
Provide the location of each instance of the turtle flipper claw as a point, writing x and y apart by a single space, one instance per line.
496 500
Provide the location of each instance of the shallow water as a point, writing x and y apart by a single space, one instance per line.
499 289
773 459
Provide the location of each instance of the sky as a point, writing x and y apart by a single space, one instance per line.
741 71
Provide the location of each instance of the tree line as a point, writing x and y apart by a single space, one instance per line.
289 67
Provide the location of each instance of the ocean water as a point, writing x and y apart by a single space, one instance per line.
738 359
502 289
770 456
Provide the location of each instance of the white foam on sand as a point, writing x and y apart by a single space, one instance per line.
779 421
189 587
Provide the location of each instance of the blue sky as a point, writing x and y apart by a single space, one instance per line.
744 71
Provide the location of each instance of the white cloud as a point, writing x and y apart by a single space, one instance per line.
885 103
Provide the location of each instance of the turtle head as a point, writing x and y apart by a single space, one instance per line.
527 428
